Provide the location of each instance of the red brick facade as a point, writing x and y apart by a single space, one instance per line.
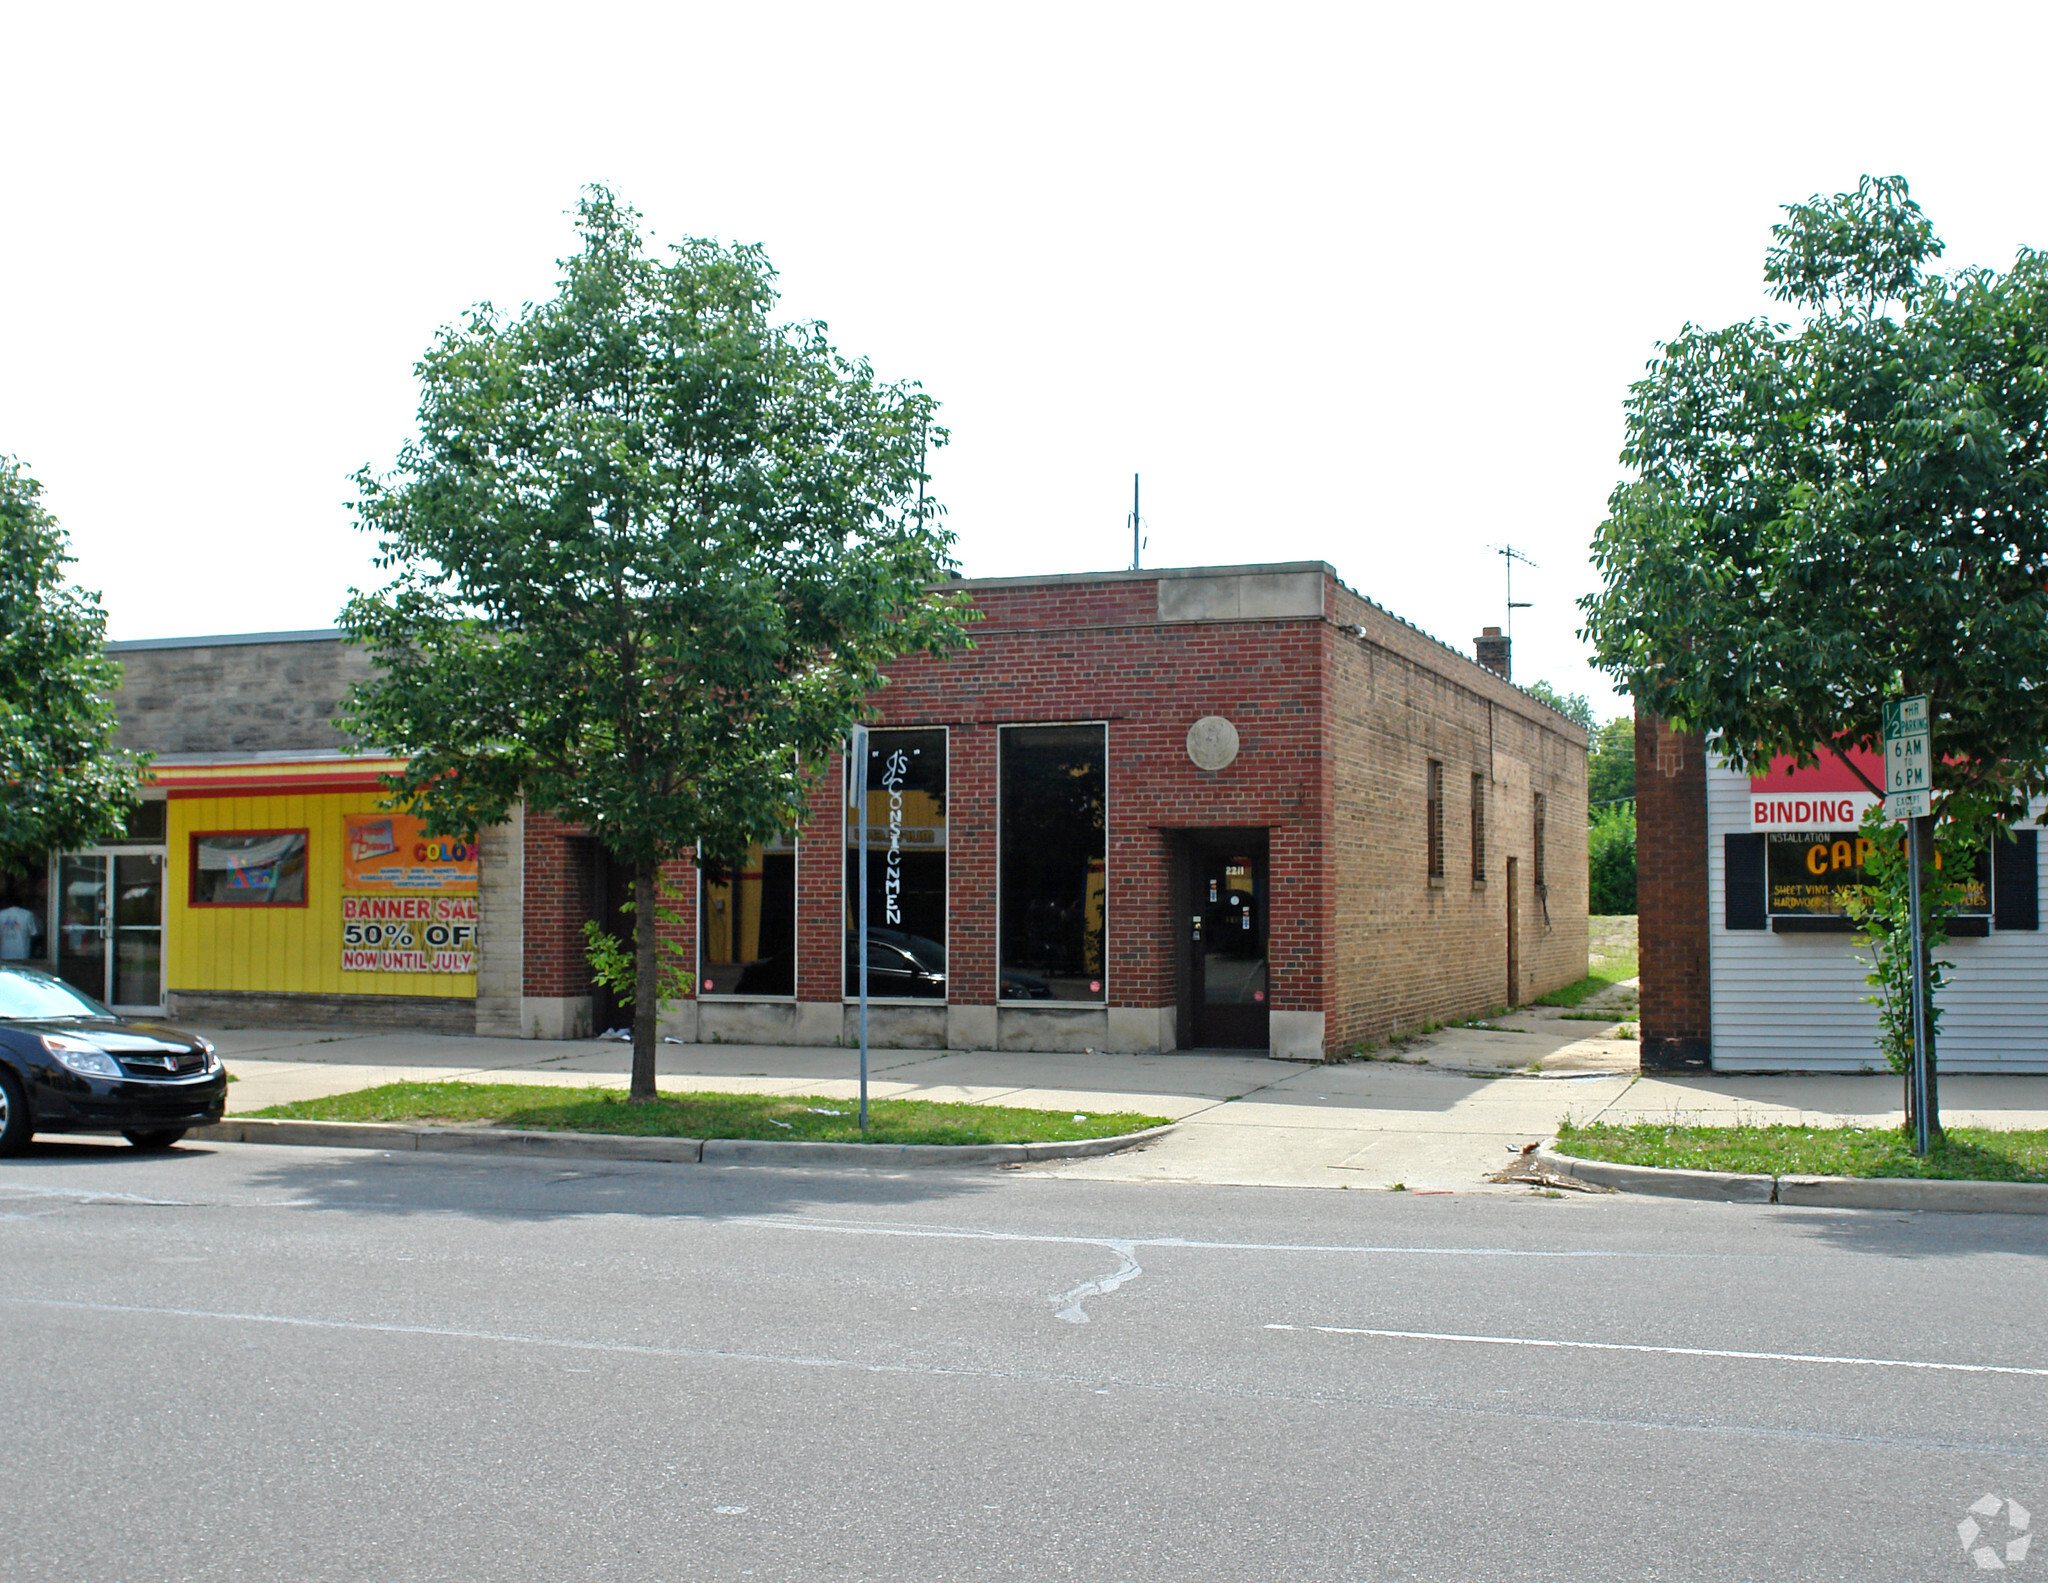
1339 708
1671 896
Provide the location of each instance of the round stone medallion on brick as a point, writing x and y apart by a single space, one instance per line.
1212 743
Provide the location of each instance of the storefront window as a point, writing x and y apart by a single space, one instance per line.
747 919
249 868
1055 859
24 912
906 832
1809 874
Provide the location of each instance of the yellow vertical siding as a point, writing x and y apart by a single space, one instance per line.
286 950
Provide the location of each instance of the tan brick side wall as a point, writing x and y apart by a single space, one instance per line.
1409 952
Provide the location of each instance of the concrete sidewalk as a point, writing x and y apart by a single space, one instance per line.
1244 1119
1452 1109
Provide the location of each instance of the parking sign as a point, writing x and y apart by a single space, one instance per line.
1908 760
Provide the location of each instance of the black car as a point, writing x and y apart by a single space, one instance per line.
67 1064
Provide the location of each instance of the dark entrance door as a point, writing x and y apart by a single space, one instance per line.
608 886
1223 940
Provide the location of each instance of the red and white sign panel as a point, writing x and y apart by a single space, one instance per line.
1826 796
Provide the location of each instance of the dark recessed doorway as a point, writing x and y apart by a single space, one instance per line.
1222 922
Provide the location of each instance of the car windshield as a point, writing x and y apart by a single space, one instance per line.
36 997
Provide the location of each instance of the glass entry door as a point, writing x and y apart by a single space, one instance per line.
109 910
1224 988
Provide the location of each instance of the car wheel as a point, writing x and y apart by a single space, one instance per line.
15 1126
155 1138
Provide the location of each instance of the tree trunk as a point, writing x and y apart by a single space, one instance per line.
646 980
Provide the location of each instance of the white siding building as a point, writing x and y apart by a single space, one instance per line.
1786 993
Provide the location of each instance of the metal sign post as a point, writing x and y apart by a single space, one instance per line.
860 803
1919 992
1909 797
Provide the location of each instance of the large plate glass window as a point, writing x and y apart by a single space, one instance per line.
249 868
1055 860
748 920
906 825
1810 873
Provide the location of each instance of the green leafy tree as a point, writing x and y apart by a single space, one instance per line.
1611 763
62 784
1825 515
651 552
1611 860
1882 906
1573 706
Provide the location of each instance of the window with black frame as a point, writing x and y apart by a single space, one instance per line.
747 924
1054 862
906 832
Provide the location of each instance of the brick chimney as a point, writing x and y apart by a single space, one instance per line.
1491 650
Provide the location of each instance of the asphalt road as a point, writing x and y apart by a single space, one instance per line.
239 1362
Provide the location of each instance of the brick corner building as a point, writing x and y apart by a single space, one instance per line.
1237 807
1208 807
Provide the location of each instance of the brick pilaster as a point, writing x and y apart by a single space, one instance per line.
1671 897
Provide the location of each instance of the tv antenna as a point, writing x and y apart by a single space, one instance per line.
1509 555
1137 543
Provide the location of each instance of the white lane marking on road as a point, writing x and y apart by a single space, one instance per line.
867 1228
511 1338
1405 1405
1676 1352
1072 1311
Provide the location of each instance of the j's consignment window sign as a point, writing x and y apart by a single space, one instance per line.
1810 874
408 900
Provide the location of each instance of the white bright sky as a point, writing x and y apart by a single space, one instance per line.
1359 283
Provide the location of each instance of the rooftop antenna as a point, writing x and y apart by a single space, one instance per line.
1137 544
1509 555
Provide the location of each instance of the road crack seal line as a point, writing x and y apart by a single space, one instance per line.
1073 1313
10 1193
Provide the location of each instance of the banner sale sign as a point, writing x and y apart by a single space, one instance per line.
408 900
408 934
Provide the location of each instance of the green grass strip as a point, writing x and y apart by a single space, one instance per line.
1970 1154
551 1108
1607 972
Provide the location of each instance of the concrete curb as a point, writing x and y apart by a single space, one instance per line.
1721 1185
1812 1192
681 1151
